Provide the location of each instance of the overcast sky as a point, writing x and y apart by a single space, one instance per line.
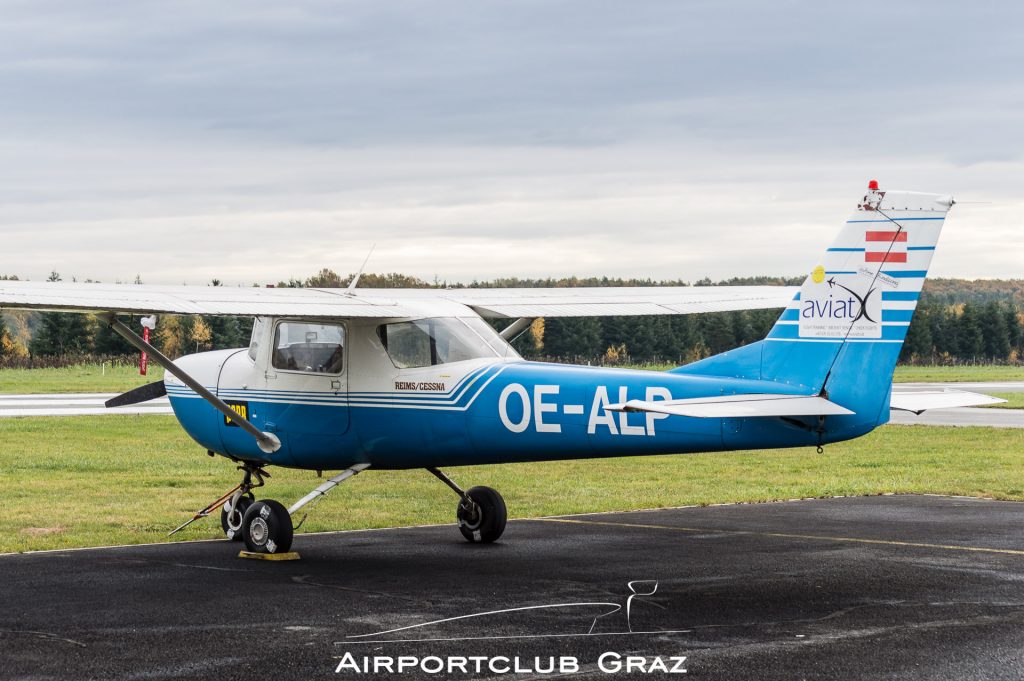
256 141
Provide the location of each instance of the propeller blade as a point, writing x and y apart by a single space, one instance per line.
145 393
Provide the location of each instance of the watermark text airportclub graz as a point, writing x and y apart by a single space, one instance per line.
474 665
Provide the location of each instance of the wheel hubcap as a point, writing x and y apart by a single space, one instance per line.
258 531
470 517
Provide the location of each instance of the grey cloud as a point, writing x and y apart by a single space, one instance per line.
543 128
532 73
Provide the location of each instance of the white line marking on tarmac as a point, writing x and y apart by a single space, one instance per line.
789 535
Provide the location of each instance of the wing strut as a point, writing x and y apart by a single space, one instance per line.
328 486
268 442
516 328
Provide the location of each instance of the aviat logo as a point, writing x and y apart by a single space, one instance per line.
848 304
833 309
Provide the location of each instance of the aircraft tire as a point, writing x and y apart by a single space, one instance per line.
267 527
487 525
232 526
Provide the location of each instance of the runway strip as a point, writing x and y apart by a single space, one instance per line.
984 387
966 416
909 587
75 404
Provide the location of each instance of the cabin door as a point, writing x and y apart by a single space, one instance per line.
306 383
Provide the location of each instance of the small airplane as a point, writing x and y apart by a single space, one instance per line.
348 379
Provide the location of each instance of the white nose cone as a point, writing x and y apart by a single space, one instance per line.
945 201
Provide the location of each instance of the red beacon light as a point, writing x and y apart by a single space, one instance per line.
873 185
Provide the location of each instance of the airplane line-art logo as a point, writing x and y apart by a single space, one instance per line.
862 300
637 588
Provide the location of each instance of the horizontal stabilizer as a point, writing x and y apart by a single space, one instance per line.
738 406
921 400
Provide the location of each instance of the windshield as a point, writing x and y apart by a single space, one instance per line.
490 336
439 340
258 326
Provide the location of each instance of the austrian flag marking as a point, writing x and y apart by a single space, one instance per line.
889 246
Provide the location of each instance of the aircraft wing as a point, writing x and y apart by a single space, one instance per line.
312 303
619 301
738 406
207 300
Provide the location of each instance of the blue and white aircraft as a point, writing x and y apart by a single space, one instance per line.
395 379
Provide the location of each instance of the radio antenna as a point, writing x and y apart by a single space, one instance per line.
355 279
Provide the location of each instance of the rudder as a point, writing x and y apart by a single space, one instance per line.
842 333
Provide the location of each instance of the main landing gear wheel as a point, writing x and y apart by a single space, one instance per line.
231 516
484 520
267 527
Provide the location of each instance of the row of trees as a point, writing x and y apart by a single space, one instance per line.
623 340
945 329
942 333
76 336
939 334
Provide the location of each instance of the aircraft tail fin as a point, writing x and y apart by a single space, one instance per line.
841 335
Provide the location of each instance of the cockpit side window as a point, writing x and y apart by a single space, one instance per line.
305 346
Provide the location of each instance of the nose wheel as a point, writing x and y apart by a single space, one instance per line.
481 513
267 527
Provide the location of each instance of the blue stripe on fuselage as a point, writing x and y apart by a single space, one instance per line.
524 411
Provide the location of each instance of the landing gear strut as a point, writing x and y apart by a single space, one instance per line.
267 525
231 514
233 511
481 512
232 504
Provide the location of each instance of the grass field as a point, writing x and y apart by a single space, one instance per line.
94 378
83 378
88 481
942 374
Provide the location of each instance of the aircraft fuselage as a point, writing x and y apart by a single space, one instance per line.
484 410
